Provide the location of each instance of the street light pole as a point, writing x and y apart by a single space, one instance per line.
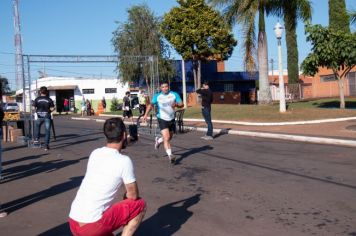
278 29
184 87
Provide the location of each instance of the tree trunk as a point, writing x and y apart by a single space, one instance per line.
341 92
292 49
265 96
199 74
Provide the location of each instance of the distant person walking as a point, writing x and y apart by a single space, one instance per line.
207 99
66 105
83 105
93 211
126 107
43 106
103 103
88 107
142 103
166 101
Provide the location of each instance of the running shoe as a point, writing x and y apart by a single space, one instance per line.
157 144
46 148
172 159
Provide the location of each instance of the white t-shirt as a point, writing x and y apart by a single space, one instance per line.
107 169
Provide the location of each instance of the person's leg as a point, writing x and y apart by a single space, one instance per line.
38 123
48 131
207 117
128 213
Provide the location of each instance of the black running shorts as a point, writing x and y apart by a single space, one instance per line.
163 124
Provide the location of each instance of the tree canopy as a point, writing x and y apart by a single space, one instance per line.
333 49
140 36
198 32
338 17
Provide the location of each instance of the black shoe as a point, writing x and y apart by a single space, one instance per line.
46 148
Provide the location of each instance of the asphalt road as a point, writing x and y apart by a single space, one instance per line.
230 186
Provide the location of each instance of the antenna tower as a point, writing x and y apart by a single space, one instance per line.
18 47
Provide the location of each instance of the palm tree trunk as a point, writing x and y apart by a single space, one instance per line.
265 96
292 48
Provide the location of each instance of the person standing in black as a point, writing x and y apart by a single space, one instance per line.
207 99
43 106
103 103
126 107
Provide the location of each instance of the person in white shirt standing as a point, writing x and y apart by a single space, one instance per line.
93 211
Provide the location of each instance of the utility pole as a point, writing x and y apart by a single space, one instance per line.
18 47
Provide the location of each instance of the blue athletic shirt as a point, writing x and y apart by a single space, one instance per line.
164 104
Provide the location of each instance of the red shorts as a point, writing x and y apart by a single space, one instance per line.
113 218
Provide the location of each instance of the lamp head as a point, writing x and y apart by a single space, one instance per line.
278 30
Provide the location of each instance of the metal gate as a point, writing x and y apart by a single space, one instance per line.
27 81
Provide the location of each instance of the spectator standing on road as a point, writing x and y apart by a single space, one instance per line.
166 101
126 107
103 103
43 106
88 107
207 99
66 105
92 211
83 105
142 103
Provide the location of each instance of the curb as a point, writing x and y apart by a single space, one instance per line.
262 123
299 138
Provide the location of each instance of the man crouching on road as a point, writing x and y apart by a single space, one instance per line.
93 212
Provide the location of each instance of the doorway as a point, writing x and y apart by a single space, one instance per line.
60 96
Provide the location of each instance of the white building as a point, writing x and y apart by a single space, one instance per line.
77 88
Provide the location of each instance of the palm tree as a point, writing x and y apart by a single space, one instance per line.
291 11
244 12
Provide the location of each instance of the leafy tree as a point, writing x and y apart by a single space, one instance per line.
338 17
139 37
198 33
291 11
244 12
353 17
4 86
114 104
335 50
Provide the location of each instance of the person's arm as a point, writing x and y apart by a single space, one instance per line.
178 102
148 109
131 191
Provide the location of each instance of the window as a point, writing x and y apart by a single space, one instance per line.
228 87
88 91
110 90
327 78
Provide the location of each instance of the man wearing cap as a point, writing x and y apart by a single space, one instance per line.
207 99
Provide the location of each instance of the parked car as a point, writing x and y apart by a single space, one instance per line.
11 106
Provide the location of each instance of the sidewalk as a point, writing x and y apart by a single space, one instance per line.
330 131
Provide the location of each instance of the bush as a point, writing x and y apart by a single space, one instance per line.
114 104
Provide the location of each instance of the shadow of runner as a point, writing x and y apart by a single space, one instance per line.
168 219
60 230
222 132
22 171
192 151
50 192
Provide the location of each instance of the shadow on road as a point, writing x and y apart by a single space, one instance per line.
50 192
168 219
4 163
192 151
26 170
222 132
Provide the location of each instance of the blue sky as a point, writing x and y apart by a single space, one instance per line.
85 27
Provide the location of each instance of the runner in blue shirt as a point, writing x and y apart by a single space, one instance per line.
165 101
